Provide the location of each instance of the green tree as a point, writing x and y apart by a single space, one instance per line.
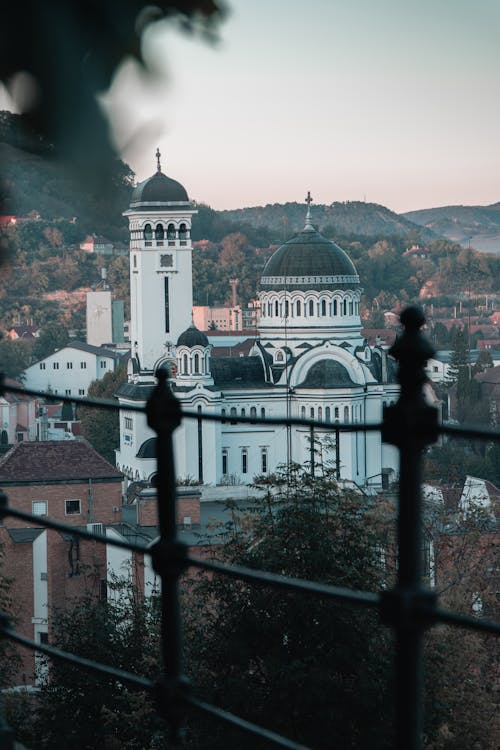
52 337
101 427
87 711
15 357
299 665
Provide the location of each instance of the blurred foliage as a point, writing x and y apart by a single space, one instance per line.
67 54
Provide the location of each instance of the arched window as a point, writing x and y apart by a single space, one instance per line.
276 308
196 364
183 233
159 232
263 413
336 412
148 232
345 307
244 461
312 412
287 309
302 412
298 308
223 415
351 308
280 356
224 461
171 232
335 307
311 308
185 368
323 307
4 438
253 413
320 414
327 415
243 412
233 415
269 309
346 414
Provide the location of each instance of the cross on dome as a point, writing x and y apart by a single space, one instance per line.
308 226
158 165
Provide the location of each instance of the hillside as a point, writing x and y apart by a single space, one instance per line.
479 224
32 181
353 218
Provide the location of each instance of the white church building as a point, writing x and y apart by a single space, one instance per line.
310 360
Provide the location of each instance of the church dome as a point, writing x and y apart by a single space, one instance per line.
192 337
309 261
158 189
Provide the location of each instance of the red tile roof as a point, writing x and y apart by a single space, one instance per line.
54 460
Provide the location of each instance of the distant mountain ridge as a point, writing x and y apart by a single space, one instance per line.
349 218
478 224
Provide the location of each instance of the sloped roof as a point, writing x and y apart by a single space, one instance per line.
55 460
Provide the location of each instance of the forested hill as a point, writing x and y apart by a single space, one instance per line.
479 224
32 181
353 218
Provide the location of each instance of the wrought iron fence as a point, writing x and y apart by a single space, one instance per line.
409 608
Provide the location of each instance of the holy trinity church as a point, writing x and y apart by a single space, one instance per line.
309 361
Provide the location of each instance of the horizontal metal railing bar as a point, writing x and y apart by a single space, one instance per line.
98 403
135 680
462 621
474 431
113 405
471 431
243 724
323 590
47 523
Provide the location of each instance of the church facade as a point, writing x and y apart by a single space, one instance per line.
310 360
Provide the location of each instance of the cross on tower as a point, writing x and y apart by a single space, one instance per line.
158 165
308 199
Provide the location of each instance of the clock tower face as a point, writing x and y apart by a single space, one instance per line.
160 216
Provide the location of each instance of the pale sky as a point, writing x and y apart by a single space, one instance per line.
392 101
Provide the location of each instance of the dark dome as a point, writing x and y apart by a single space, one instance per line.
309 261
192 337
158 189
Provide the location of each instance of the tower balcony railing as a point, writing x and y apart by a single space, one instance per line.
408 607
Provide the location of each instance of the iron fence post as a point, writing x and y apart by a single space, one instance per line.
411 425
164 415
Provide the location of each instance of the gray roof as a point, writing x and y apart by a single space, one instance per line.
309 261
135 391
237 372
158 189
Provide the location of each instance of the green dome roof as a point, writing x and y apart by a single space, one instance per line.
158 189
309 261
192 336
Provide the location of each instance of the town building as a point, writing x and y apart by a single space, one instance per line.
310 359
70 371
18 414
73 484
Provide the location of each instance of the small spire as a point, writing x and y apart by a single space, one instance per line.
308 226
158 165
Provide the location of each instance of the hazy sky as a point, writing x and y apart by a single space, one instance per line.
395 101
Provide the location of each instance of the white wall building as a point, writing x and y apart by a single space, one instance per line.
70 370
310 360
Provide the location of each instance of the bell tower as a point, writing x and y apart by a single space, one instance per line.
161 297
